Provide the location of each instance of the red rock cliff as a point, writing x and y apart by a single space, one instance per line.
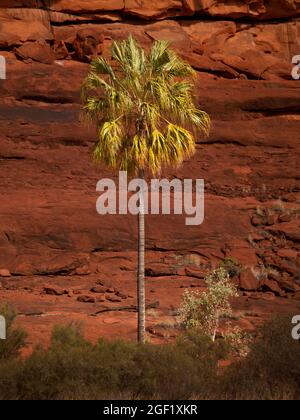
242 51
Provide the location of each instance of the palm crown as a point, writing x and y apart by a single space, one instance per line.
143 106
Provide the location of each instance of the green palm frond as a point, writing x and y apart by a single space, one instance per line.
166 62
176 67
159 55
94 108
94 82
144 108
101 66
130 56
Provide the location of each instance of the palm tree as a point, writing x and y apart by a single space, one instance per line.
146 118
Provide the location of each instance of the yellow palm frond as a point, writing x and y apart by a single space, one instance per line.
144 108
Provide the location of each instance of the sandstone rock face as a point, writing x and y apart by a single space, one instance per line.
15 32
248 281
144 9
86 6
271 286
4 272
149 10
250 162
37 51
256 9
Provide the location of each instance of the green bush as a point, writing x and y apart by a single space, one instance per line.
271 370
73 368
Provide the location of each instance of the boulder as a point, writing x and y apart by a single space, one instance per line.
268 285
297 295
63 264
99 289
170 31
290 267
159 270
285 217
87 45
248 281
162 332
153 10
257 220
4 272
83 270
113 299
14 32
55 291
254 9
87 6
86 299
122 295
290 254
38 51
195 272
290 229
288 286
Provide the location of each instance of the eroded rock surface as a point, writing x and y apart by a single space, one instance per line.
242 52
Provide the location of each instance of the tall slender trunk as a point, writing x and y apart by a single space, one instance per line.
141 267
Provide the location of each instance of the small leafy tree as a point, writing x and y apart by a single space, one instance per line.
203 310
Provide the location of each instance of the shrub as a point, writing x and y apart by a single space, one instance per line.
271 370
203 310
73 368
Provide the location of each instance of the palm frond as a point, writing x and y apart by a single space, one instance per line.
159 55
181 143
130 56
93 109
145 111
159 153
101 66
109 143
93 82
139 150
176 67
201 120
